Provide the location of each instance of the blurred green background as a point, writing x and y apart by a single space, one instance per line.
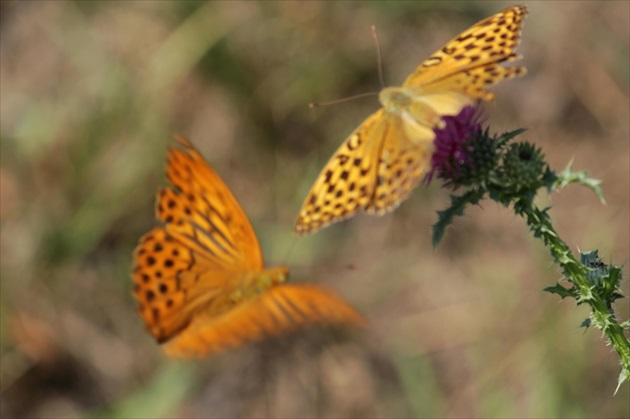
91 93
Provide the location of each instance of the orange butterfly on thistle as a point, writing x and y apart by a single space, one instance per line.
199 279
387 156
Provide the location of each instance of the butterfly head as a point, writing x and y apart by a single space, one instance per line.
395 99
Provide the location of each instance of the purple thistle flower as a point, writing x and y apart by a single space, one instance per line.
453 144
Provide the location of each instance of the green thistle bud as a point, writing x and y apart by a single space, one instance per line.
524 166
605 279
482 152
597 269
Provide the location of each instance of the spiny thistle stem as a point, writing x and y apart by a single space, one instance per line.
576 273
511 173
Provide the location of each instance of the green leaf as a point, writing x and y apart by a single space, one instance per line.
507 136
446 217
568 176
561 291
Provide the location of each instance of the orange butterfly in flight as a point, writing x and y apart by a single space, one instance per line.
200 280
385 158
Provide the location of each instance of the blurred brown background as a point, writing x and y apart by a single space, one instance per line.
91 92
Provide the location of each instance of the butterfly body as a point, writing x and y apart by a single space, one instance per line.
388 155
420 112
200 281
252 284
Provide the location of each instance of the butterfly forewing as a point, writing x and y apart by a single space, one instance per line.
347 182
205 248
202 211
491 41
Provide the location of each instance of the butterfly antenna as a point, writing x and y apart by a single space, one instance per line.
326 270
290 250
361 95
379 62
329 269
342 100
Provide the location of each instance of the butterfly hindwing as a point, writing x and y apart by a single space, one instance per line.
402 164
280 310
473 83
169 283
